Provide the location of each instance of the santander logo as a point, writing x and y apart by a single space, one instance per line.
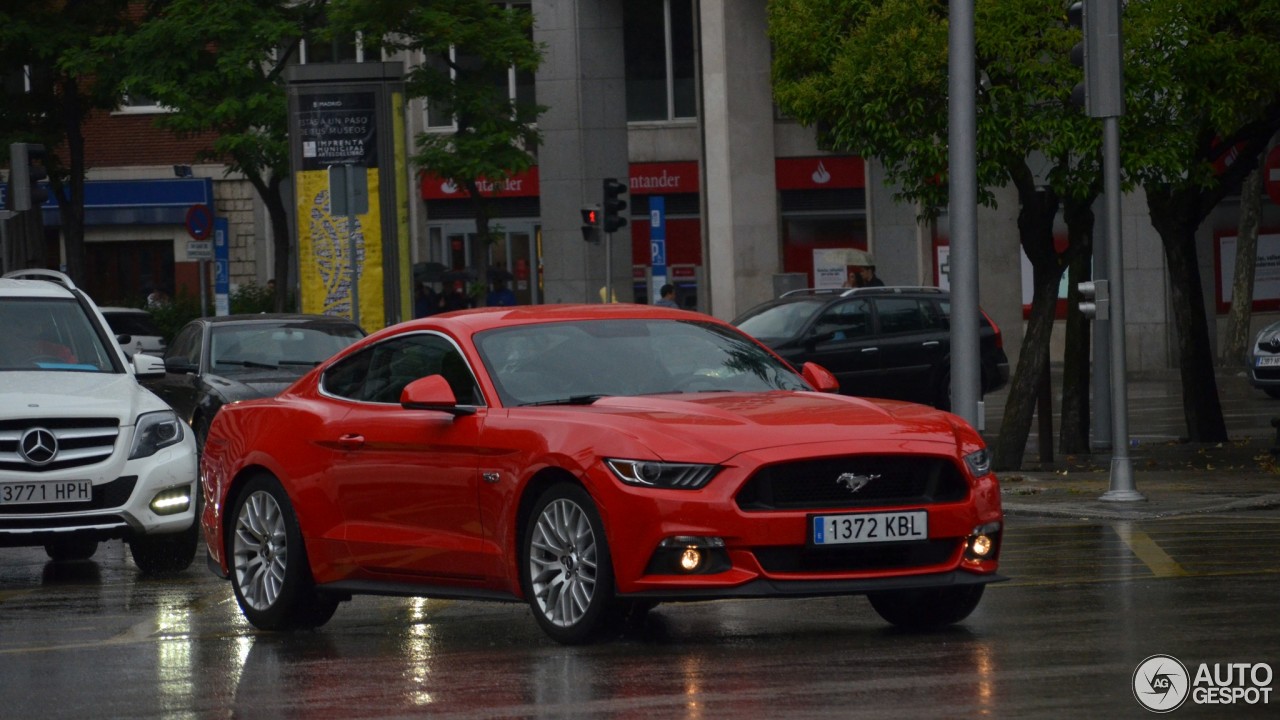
821 176
448 187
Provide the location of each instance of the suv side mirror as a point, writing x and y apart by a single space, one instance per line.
146 367
179 365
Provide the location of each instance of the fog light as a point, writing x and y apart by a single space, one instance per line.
983 542
171 502
690 559
980 546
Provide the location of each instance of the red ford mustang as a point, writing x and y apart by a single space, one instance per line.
593 461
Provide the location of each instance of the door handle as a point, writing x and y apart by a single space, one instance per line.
351 441
930 343
870 350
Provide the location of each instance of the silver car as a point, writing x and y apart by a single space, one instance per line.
134 330
1264 360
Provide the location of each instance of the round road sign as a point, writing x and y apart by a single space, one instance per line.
199 221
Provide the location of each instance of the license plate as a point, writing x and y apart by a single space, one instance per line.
1269 360
46 491
869 527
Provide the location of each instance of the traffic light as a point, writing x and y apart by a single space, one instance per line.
614 205
1099 54
1096 299
590 223
25 175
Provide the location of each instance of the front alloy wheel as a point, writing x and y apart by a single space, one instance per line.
568 576
269 568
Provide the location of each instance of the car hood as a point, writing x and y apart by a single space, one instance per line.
716 426
43 394
249 385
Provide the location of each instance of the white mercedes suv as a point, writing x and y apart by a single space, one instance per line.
86 453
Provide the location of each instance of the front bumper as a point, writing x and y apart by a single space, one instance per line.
121 504
766 553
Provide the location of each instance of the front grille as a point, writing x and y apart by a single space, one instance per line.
105 497
81 442
855 558
890 480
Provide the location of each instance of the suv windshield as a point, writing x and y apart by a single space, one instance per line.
250 348
579 361
50 334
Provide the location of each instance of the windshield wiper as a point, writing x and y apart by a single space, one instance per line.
249 364
571 400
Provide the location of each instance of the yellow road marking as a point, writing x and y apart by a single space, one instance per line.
1149 552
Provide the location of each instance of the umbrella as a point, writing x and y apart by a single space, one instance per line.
428 271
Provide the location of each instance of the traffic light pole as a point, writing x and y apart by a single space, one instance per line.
1122 485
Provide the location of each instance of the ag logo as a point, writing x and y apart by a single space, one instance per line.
1160 683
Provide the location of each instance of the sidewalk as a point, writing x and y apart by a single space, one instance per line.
1176 478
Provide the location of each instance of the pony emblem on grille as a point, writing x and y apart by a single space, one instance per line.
854 482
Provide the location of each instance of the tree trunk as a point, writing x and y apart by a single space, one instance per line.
1015 425
480 248
1076 356
1176 217
272 195
72 212
1237 338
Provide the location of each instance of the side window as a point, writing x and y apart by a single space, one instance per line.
380 373
900 315
935 318
186 345
847 321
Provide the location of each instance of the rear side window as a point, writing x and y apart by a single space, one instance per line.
380 373
131 324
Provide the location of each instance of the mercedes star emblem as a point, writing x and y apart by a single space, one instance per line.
38 446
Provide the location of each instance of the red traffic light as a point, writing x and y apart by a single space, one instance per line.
590 216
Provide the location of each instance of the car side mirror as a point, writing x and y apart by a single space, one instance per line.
432 393
179 365
124 338
820 378
146 367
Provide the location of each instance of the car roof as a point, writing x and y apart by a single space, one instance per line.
480 319
122 310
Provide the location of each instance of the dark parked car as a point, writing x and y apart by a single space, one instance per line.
885 342
217 360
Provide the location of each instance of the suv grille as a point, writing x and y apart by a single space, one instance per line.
826 483
79 442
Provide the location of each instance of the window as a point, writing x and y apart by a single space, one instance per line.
380 373
659 46
343 48
510 84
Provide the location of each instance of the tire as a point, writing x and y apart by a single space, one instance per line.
565 568
269 568
927 608
168 553
71 549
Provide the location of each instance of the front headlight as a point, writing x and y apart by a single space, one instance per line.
154 431
649 473
979 462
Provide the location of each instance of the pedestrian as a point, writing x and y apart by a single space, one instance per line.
426 301
667 297
864 274
500 295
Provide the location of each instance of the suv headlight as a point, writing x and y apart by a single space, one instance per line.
154 431
674 476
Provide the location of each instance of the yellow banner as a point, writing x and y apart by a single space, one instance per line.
325 248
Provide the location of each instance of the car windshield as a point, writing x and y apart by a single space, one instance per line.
248 348
50 334
578 362
778 322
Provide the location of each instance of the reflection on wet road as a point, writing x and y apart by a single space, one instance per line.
1086 603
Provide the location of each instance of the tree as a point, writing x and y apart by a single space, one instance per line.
1201 83
56 81
872 77
469 47
219 66
1236 341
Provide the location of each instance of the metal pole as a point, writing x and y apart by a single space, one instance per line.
1122 486
348 170
1101 436
203 269
608 268
963 199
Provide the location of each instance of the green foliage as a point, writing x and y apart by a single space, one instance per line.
251 299
170 316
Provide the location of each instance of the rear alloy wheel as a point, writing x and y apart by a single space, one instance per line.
927 608
71 549
565 567
269 568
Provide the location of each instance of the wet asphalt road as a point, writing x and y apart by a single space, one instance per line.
1088 601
